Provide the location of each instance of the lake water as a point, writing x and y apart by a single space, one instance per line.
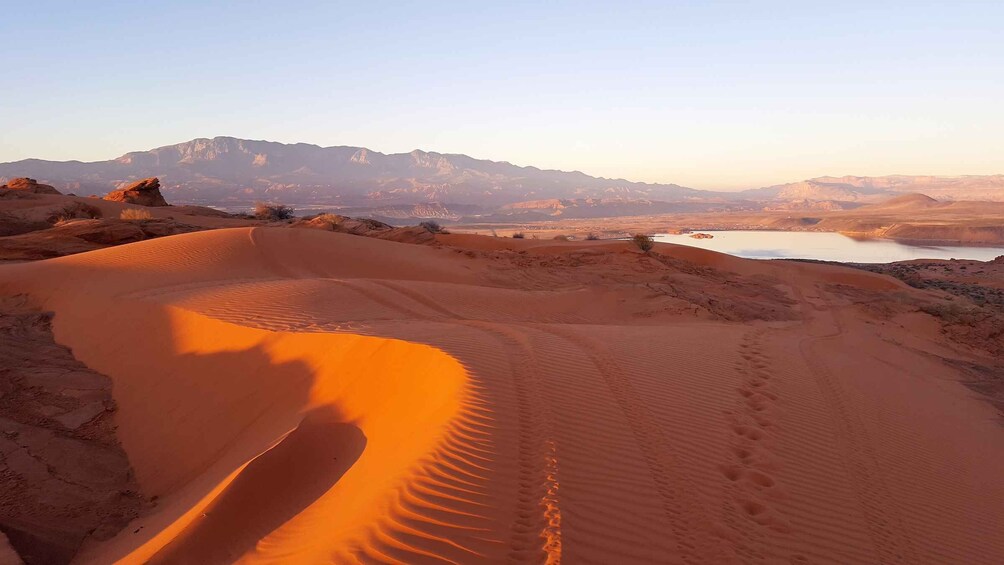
824 247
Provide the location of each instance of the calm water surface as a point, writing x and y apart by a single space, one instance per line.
824 247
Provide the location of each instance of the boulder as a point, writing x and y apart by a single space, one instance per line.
143 193
29 185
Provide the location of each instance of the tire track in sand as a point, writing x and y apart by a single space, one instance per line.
538 523
536 531
692 530
882 514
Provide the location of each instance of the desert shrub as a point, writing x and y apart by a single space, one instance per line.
519 235
272 212
561 238
432 226
135 214
74 211
330 219
592 236
644 242
955 313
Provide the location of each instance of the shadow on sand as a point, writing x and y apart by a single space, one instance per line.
273 488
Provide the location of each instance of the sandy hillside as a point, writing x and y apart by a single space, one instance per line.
300 396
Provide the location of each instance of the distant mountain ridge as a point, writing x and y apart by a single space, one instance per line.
875 189
234 172
226 169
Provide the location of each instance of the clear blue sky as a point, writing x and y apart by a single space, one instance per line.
706 94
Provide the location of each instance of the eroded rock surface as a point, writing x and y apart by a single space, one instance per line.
144 193
64 478
79 235
29 185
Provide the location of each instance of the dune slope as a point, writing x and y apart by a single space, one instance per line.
305 396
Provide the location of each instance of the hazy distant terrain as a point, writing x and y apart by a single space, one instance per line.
234 172
226 169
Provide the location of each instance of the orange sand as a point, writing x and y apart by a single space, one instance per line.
300 396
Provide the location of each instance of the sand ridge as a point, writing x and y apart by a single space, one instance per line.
296 395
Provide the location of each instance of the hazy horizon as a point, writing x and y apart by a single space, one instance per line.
721 189
717 96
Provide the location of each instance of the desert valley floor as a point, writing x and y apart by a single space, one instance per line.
300 396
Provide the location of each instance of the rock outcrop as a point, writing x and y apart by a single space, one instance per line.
366 227
66 479
80 235
29 185
144 193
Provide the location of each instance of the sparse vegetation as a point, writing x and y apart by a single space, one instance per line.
272 212
562 238
519 235
643 241
73 212
330 219
953 312
432 226
135 214
592 236
913 274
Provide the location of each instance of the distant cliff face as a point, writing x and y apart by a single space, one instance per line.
230 171
225 169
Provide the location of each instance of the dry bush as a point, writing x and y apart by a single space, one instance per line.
272 212
592 236
519 235
561 238
432 226
73 212
644 242
329 219
135 214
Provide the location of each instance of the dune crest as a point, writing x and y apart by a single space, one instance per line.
308 396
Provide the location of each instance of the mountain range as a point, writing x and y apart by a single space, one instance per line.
231 172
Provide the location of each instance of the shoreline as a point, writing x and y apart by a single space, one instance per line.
857 236
548 232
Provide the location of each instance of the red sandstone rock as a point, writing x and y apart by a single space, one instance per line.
29 185
144 193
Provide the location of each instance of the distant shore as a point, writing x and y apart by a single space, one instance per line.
967 231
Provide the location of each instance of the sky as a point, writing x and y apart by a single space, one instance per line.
713 94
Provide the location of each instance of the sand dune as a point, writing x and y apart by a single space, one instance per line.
305 396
